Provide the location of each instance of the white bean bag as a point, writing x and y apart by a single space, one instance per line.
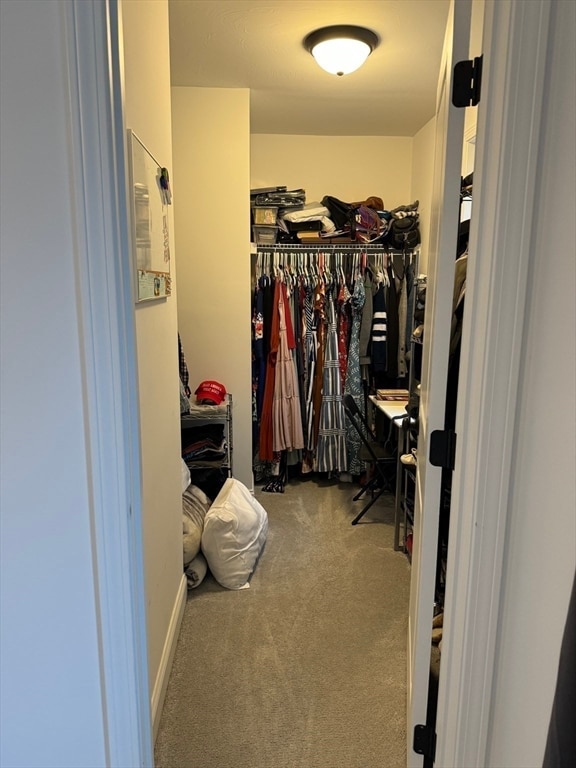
196 571
235 530
195 504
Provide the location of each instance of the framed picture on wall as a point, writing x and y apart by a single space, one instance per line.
150 196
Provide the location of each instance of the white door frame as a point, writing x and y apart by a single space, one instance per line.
508 132
107 328
515 47
449 131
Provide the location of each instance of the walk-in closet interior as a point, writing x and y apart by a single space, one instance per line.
119 645
289 320
242 546
286 324
305 316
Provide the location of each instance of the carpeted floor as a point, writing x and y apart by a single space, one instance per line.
307 668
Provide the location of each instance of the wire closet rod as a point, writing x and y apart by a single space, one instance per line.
365 247
301 257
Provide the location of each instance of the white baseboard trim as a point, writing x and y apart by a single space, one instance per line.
161 682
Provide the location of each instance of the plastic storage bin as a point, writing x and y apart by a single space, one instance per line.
264 235
264 215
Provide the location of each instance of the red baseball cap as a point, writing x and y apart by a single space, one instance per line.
212 391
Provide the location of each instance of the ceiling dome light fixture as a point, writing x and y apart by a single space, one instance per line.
341 49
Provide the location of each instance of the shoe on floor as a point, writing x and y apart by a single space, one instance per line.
408 459
436 635
438 620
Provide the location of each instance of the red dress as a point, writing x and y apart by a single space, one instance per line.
266 425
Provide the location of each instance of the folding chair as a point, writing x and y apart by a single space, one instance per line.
373 452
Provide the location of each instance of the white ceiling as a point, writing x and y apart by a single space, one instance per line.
257 44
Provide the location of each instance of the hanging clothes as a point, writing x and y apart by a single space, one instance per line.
299 352
259 357
262 312
402 293
320 319
366 322
310 345
378 334
309 342
286 415
331 452
411 300
343 329
353 385
266 424
184 375
392 326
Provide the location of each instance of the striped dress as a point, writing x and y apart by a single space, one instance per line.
318 383
310 340
379 331
353 385
331 450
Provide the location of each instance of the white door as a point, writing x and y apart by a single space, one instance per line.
441 258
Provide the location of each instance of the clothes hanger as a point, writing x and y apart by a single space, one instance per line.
342 271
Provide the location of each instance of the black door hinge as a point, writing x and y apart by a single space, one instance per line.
425 741
467 82
443 448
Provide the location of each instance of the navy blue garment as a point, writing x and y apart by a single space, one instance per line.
258 349
379 332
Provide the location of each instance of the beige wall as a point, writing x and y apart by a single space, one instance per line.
147 113
421 187
348 167
211 142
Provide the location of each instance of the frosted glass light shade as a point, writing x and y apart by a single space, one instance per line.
341 49
341 56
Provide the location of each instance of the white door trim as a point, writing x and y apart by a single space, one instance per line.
509 127
444 220
106 320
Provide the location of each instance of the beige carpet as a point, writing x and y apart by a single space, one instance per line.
307 668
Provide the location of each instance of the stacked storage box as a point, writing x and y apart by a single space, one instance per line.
264 228
267 204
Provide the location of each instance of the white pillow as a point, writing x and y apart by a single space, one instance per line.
234 534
